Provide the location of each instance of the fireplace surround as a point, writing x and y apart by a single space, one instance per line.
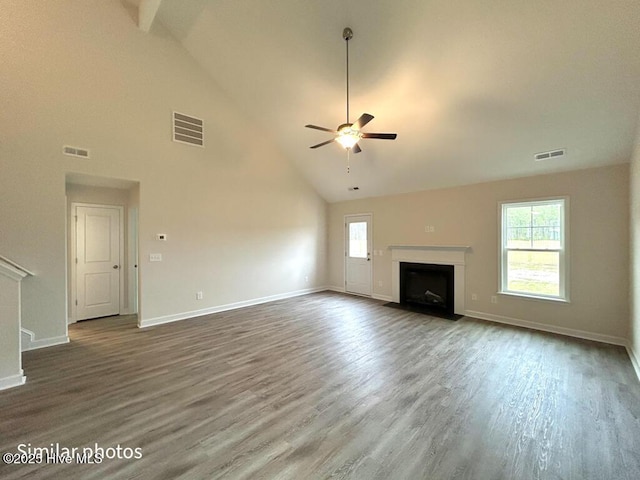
451 255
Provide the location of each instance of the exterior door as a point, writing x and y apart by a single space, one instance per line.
358 244
97 261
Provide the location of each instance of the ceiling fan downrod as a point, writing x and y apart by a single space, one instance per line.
347 34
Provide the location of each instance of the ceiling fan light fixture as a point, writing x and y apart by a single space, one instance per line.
347 136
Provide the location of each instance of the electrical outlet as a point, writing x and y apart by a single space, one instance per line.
429 229
474 296
155 257
306 278
379 283
198 295
494 299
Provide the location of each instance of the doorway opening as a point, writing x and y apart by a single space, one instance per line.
102 247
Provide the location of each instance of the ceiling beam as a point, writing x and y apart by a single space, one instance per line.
147 10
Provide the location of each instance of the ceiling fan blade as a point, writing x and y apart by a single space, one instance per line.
356 148
382 136
362 121
321 128
323 143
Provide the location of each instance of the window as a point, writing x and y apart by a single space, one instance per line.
533 260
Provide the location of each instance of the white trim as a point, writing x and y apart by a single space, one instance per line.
430 247
375 296
12 381
30 337
570 332
431 254
526 296
132 261
45 342
150 322
384 298
12 270
563 251
634 359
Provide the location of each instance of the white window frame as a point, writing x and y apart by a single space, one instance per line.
563 293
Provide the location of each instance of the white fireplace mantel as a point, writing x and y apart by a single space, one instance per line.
433 254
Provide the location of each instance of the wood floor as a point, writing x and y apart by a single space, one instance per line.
328 386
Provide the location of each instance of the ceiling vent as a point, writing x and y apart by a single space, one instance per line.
551 154
188 129
75 151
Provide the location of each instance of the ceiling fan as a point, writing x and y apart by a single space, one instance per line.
349 134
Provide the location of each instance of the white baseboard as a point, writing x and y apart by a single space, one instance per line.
26 339
384 298
12 381
374 296
150 322
41 343
570 332
635 361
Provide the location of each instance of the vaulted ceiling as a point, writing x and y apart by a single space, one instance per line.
474 88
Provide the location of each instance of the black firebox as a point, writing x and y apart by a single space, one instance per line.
427 287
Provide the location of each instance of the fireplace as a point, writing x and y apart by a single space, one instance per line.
434 255
427 287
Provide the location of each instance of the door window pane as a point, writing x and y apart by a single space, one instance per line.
358 240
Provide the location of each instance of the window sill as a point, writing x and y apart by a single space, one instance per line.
535 297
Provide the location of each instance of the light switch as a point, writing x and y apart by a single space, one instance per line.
155 257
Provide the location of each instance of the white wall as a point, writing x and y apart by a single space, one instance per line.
241 222
599 245
635 256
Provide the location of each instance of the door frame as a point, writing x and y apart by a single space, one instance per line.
344 249
74 253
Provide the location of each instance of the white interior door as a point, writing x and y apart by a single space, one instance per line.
358 244
97 261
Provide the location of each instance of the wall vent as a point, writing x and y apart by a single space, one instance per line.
551 154
75 151
187 129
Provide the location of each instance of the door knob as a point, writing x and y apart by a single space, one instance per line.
115 267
